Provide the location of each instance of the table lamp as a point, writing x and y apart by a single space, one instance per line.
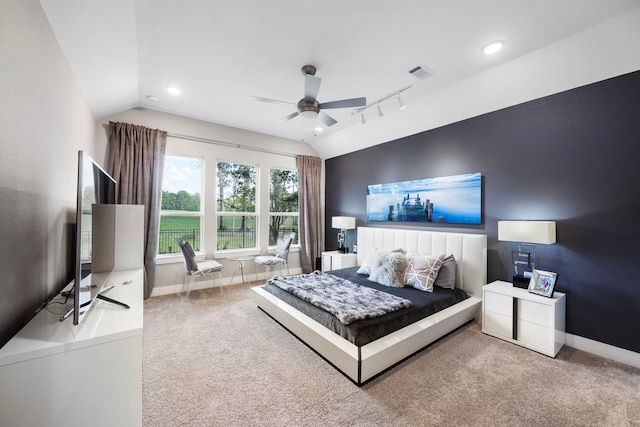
527 234
344 223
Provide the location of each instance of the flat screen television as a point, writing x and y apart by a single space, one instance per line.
95 186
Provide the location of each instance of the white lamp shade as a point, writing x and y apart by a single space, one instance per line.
543 232
343 222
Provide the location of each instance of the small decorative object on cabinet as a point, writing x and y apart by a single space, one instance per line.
335 260
520 317
542 283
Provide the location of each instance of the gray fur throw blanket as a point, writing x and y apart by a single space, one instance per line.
346 300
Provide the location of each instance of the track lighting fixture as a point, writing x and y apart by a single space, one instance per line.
377 103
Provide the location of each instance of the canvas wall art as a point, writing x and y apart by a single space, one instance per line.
450 199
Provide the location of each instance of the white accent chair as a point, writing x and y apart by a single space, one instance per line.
281 256
193 267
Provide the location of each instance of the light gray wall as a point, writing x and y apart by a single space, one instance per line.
44 121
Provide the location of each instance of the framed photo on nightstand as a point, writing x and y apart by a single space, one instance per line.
542 283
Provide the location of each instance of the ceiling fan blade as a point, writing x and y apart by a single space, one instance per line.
327 119
289 117
273 101
344 103
311 87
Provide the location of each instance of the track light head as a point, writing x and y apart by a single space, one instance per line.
380 113
402 106
362 120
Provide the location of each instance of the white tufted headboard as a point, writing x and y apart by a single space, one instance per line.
469 250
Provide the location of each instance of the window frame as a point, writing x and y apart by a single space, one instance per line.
210 154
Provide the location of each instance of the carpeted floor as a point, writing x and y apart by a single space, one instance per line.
215 359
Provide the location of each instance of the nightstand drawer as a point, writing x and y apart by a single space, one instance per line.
498 303
535 335
540 314
497 324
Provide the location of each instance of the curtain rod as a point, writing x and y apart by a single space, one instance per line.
223 143
228 144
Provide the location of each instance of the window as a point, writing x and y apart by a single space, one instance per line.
236 206
283 204
181 210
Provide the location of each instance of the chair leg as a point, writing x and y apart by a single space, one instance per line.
186 287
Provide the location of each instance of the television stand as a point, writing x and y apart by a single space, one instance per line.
100 358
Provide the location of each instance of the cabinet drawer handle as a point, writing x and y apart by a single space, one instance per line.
514 320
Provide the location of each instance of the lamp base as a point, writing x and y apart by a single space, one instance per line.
521 282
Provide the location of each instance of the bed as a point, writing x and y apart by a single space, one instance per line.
361 363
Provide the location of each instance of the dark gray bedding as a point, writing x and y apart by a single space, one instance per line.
362 332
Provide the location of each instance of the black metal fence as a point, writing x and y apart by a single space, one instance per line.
227 239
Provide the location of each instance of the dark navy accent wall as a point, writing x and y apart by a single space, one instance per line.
573 157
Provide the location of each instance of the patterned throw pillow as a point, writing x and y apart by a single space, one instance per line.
447 273
389 269
422 271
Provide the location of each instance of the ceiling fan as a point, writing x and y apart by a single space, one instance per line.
309 105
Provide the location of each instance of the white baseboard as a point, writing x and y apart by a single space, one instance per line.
205 284
604 350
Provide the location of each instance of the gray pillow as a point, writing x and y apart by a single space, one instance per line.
447 273
389 269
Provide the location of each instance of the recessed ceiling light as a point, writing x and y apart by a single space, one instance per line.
173 90
318 129
493 47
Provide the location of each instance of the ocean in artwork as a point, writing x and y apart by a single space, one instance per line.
450 199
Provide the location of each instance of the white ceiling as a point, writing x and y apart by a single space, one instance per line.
221 53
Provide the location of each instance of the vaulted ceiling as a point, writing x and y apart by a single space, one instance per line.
221 54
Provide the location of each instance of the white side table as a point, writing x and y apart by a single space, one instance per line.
334 260
240 264
520 317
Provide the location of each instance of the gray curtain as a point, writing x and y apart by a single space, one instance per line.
135 158
310 223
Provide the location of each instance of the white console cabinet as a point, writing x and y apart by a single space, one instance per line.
335 260
55 373
529 320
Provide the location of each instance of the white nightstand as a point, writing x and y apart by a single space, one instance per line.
335 260
523 318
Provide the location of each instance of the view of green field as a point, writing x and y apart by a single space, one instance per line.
188 228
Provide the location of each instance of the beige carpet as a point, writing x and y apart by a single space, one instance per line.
215 359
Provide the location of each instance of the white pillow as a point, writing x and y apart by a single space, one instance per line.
422 271
367 264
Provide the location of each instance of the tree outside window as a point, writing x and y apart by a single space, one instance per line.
283 204
236 206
